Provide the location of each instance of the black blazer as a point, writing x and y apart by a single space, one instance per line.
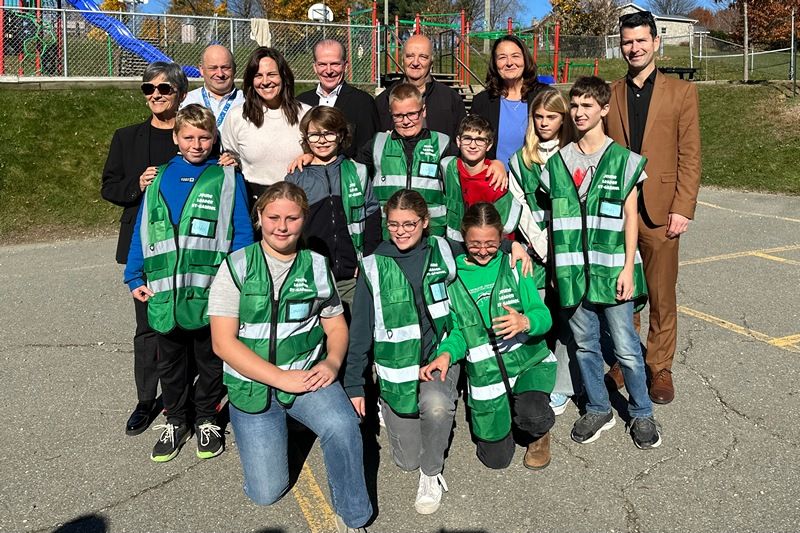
128 157
359 110
488 107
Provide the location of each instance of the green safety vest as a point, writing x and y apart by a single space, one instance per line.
393 173
510 210
353 177
180 262
537 202
398 335
497 368
286 331
589 238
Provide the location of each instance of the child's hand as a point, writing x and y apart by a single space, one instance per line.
226 159
293 381
625 284
147 177
142 293
498 177
511 324
299 162
519 253
321 375
441 363
360 405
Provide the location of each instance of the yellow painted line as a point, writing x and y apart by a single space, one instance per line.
776 258
730 326
746 253
782 342
318 514
787 219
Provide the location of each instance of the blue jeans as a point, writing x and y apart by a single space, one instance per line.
262 442
584 322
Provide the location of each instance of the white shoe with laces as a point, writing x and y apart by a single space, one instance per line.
341 527
429 493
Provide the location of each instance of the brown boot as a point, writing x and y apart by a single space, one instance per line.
662 390
538 454
614 377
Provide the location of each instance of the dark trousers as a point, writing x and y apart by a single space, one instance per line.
175 371
532 417
145 355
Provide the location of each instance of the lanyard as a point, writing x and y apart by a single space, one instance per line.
226 107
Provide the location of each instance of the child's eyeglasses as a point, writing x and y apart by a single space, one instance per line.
400 117
408 227
329 136
476 247
480 142
163 89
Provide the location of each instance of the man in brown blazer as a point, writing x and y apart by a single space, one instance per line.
657 117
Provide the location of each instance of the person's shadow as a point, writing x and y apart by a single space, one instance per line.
88 523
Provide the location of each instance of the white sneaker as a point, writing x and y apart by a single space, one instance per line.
381 422
429 493
341 527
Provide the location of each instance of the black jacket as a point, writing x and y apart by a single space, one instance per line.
488 107
444 109
128 156
359 110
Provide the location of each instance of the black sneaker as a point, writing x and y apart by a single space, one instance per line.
173 436
209 439
588 427
645 432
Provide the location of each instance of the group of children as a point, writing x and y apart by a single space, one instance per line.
417 253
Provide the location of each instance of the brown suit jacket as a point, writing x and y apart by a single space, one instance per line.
671 144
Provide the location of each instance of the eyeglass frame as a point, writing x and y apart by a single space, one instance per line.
480 142
395 226
322 135
145 87
399 117
491 246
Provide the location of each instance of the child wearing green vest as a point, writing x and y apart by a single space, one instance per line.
549 128
193 213
278 323
499 323
467 182
591 189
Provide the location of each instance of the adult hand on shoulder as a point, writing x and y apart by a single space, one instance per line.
676 225
321 375
441 363
226 159
147 177
498 177
142 293
519 253
299 162
360 405
510 325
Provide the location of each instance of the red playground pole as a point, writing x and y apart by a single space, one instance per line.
510 26
566 71
3 38
555 50
466 62
596 66
349 46
417 25
535 47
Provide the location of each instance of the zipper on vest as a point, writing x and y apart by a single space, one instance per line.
585 241
416 308
333 220
178 256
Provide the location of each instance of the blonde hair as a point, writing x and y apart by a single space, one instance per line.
404 91
554 102
279 191
197 116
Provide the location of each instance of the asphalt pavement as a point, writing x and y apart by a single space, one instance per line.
728 461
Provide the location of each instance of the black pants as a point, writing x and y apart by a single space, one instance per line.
174 368
532 417
145 355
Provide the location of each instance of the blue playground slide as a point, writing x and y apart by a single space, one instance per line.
123 36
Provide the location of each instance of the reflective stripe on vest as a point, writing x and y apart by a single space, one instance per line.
180 261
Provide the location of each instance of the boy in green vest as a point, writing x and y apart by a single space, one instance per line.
192 214
591 186
467 181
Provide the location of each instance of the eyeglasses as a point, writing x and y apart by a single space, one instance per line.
480 142
408 227
413 115
490 246
315 137
646 16
163 89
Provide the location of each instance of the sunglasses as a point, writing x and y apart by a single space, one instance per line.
646 15
163 89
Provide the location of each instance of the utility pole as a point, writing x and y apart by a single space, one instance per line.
746 43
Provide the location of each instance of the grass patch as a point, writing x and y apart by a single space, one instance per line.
53 145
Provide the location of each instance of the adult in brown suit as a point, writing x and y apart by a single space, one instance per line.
657 117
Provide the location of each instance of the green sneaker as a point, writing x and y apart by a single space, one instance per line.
173 436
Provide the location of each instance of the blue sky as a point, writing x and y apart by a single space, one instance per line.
539 8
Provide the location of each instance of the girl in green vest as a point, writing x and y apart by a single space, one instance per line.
499 323
549 128
278 324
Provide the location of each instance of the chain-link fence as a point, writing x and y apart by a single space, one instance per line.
722 59
59 42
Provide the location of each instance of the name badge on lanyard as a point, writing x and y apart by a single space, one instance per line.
228 101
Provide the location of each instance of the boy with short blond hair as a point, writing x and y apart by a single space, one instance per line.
592 187
192 214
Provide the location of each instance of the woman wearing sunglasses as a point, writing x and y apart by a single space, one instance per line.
136 153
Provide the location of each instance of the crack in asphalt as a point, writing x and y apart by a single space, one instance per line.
585 462
631 515
723 457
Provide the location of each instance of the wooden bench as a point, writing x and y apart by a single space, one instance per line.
680 71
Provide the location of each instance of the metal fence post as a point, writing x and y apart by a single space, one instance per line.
64 41
230 22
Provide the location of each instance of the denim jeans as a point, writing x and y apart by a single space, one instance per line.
585 325
262 442
421 442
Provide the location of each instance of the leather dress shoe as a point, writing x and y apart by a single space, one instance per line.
140 418
614 377
662 391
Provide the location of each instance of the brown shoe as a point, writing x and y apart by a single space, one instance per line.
538 454
662 390
614 377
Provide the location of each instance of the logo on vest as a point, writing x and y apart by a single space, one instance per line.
428 151
507 297
205 201
353 191
435 270
609 183
300 285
